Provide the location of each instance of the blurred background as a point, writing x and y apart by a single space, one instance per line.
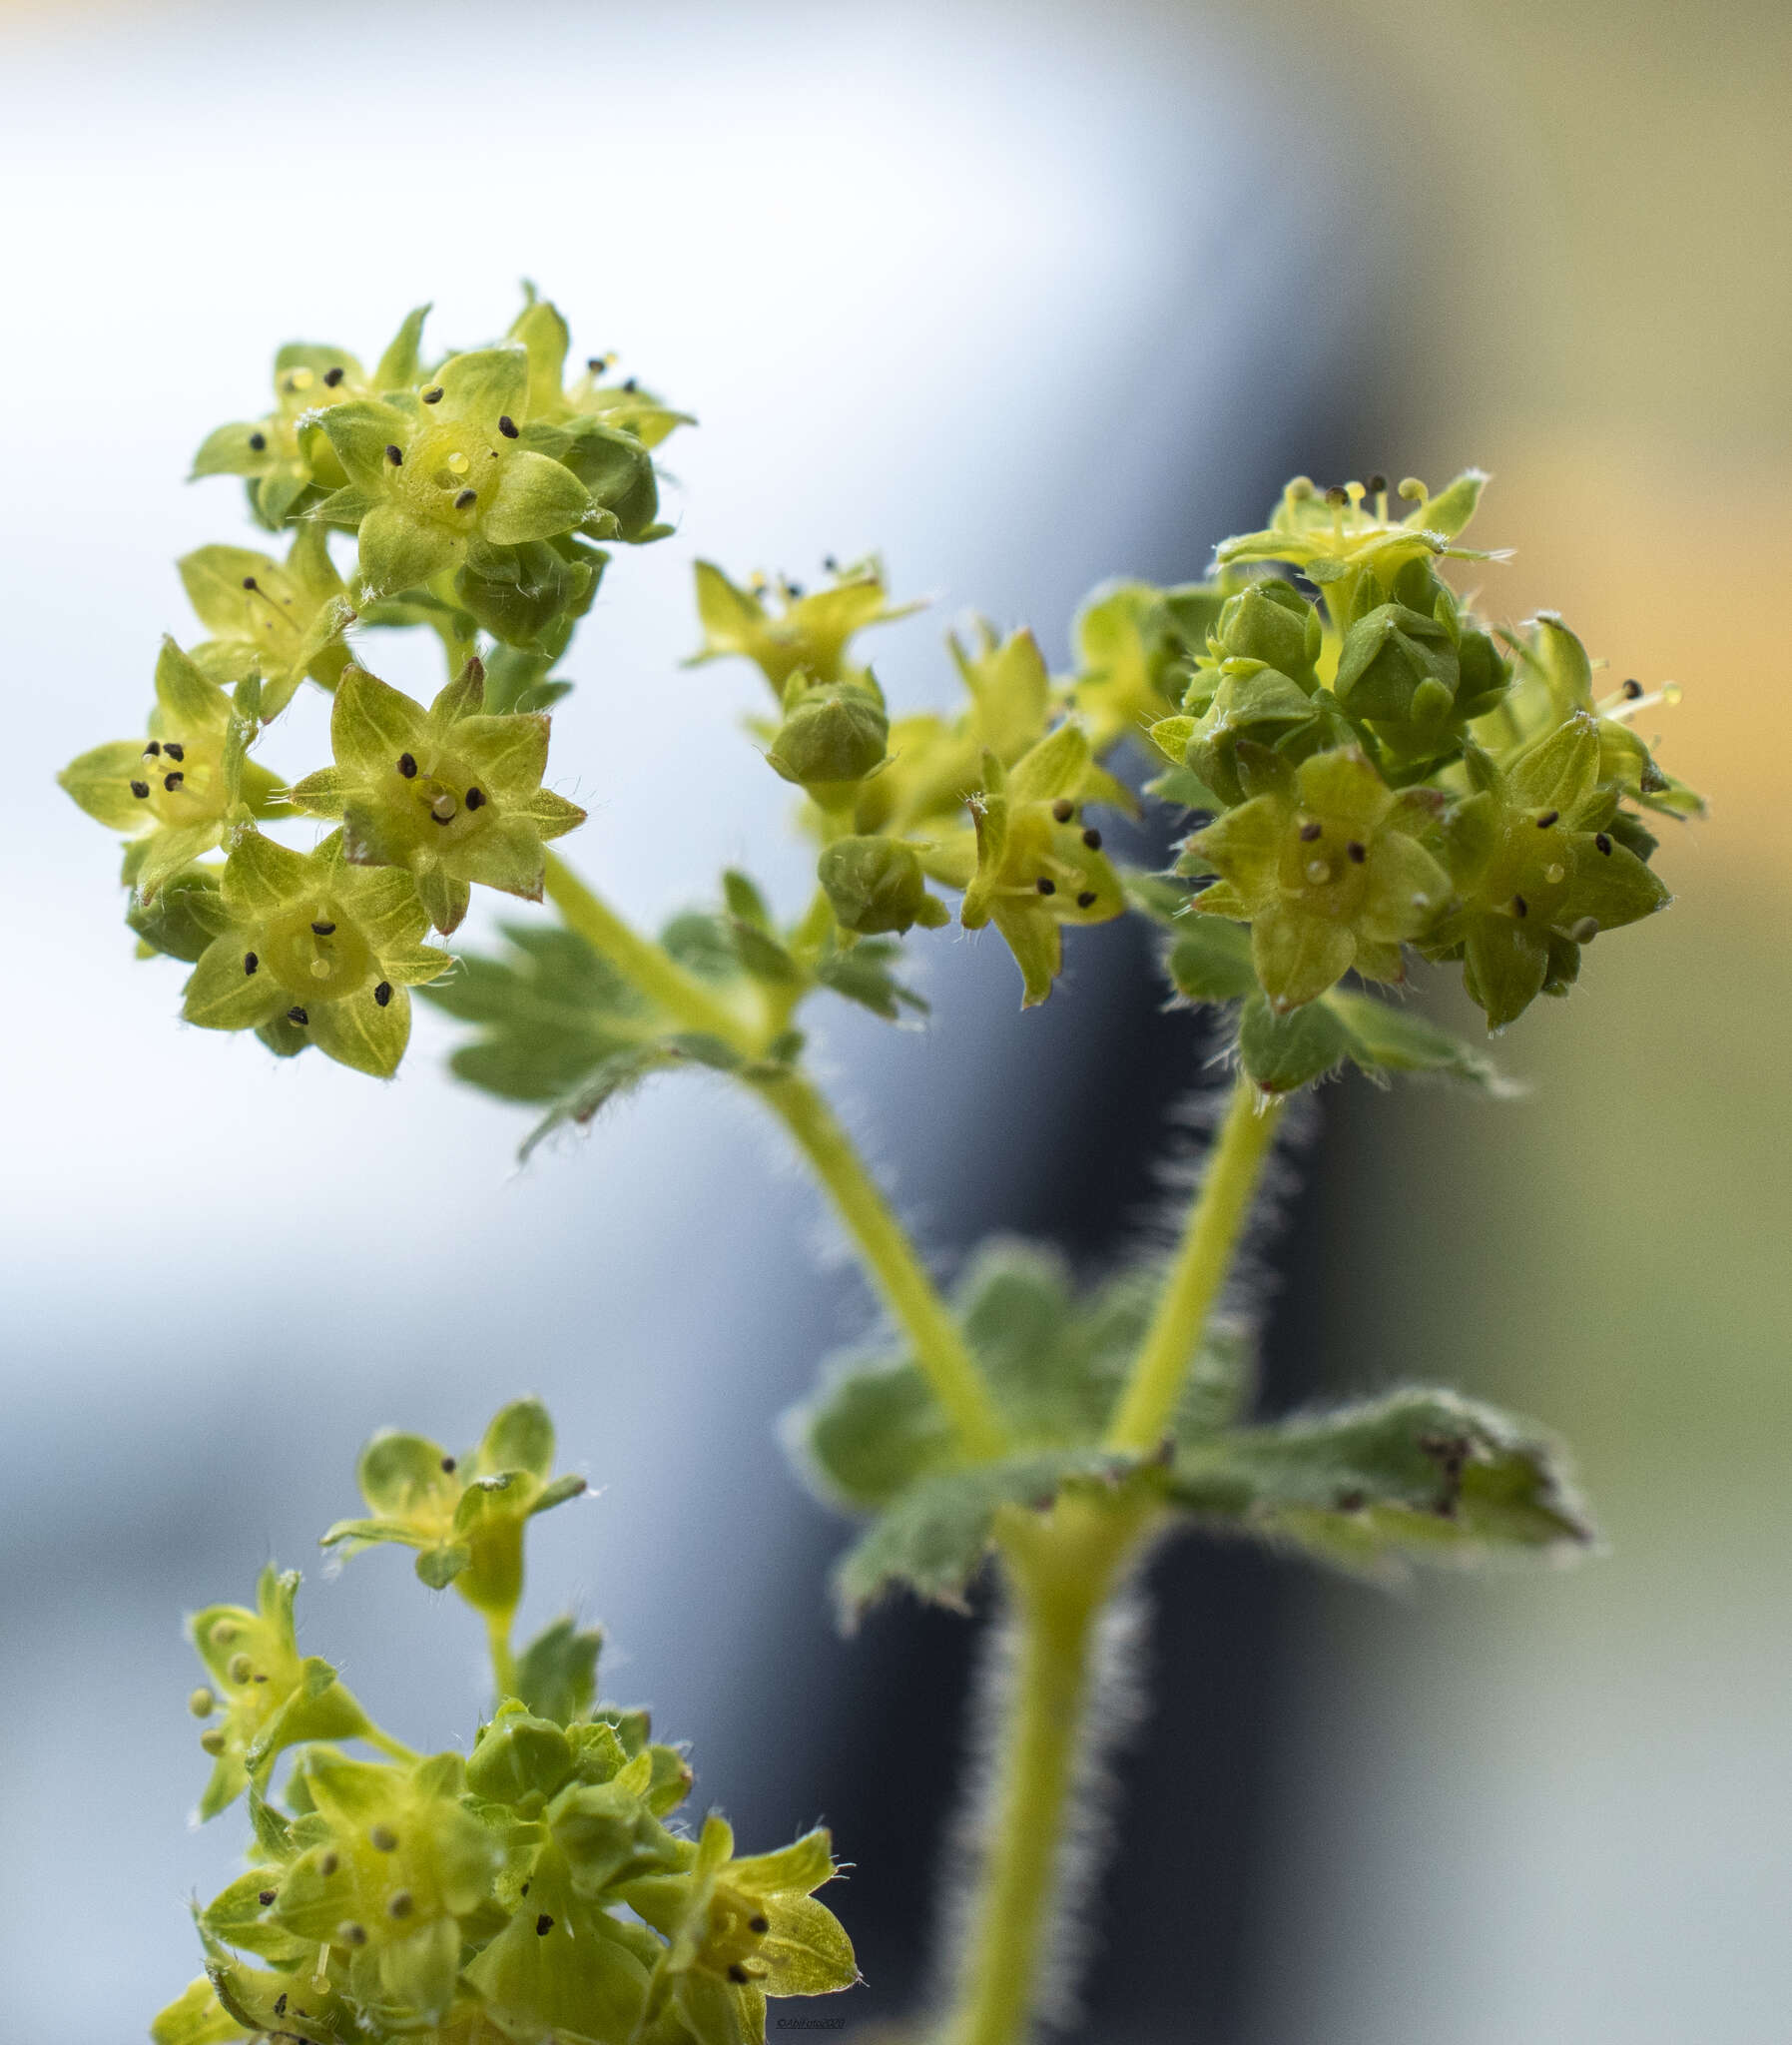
1025 296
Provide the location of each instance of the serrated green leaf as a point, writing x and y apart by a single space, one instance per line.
1416 1476
933 1538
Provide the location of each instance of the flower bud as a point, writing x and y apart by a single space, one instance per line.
830 737
1272 622
875 885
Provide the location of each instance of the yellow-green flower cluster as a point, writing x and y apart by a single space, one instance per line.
538 1886
475 486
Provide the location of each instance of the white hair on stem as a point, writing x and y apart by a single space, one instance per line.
1114 1706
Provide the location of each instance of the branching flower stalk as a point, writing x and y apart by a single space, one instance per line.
1368 772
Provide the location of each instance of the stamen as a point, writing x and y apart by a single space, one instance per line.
1546 819
140 788
1632 689
265 1896
1356 851
394 454
1064 809
1603 843
434 396
543 1925
324 930
384 1840
258 442
351 1933
1092 839
174 750
400 1906
476 798
383 993
333 376
153 749
407 766
250 963
1520 906
449 1463
1086 899
759 1924
173 780
465 500
1046 884
1311 832
506 425
298 1016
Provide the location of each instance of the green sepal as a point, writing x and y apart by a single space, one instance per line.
197 2017
398 367
1209 960
1412 1477
556 1674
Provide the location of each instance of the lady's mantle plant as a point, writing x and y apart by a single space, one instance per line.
1370 773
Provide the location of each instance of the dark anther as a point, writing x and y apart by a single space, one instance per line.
383 993
280 2006
249 582
333 376
738 1975
266 1896
595 363
1064 809
1350 1501
629 383
258 442
393 454
153 749
1092 839
1086 899
1632 689
476 798
384 1840
324 930
1603 843
173 780
1520 906
465 500
1357 851
1376 484
759 1924
506 425
1309 832
174 751
407 766
1046 884
448 1466
793 591
434 396
250 963
1336 496
543 1925
297 1015
140 788
1546 819
328 1865
831 563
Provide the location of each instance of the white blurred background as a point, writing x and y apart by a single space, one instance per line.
1023 299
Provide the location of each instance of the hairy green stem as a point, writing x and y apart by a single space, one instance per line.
883 1243
503 1662
642 962
1203 1258
890 1259
1062 1568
